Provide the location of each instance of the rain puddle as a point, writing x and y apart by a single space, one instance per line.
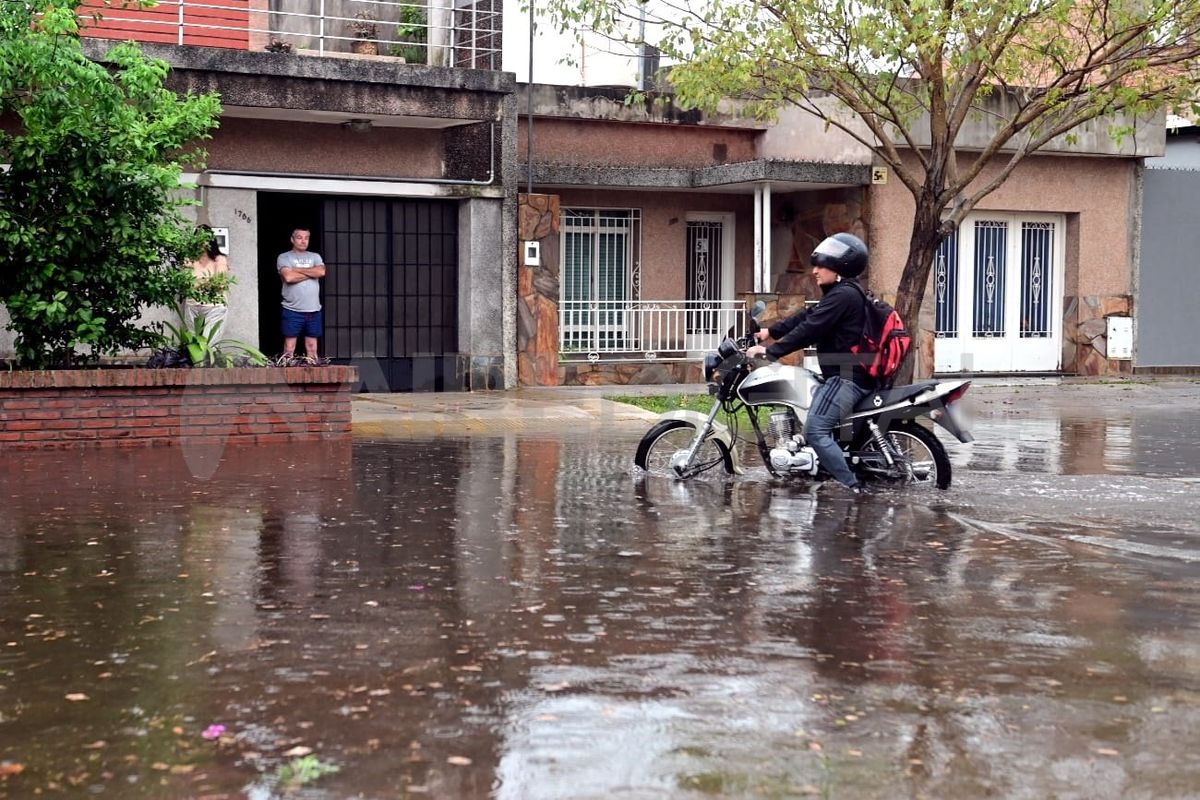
526 617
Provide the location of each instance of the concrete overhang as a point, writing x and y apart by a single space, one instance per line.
614 104
740 178
330 88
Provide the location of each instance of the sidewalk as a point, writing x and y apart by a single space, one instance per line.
565 407
526 409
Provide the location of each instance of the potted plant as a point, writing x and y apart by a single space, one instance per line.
412 34
366 34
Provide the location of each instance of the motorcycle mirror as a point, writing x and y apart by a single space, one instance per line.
757 310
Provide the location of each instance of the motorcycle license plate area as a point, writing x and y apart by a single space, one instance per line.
954 418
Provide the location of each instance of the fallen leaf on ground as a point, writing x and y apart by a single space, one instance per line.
75 697
297 751
460 761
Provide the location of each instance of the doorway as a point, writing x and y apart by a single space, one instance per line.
998 285
390 292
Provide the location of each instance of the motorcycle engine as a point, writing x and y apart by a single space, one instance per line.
795 461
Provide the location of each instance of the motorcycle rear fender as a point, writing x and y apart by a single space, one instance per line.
719 431
925 404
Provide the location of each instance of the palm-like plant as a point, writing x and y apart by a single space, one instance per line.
200 344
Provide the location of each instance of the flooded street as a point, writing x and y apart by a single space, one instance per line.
526 616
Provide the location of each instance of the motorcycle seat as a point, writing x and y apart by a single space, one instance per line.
897 394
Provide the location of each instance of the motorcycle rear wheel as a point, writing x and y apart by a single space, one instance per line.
666 439
919 449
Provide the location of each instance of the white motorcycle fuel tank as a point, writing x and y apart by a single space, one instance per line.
779 384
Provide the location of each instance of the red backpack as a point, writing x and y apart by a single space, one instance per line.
884 337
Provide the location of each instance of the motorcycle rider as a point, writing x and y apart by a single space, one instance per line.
834 325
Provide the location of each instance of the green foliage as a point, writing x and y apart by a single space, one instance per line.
703 403
211 290
412 32
904 78
90 226
302 771
203 347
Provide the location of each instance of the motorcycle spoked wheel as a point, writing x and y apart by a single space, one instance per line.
918 448
668 438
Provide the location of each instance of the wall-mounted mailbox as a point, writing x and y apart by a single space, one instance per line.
533 254
1120 337
222 237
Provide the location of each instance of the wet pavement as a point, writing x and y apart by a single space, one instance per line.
517 613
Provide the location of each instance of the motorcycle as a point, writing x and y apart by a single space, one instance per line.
881 438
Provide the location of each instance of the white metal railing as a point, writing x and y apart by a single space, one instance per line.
642 330
449 33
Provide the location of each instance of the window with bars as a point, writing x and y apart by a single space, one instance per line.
1037 275
601 274
988 248
991 262
945 287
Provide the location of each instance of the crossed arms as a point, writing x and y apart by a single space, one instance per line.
298 274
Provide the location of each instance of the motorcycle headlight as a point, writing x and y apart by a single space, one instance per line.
728 349
711 362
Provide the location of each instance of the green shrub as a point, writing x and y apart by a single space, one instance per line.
91 230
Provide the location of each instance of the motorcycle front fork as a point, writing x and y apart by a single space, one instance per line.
701 434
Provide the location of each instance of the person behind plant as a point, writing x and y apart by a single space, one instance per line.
833 325
300 270
207 297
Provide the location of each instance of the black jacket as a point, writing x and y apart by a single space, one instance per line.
833 326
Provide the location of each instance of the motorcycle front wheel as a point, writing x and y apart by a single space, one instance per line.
920 458
667 442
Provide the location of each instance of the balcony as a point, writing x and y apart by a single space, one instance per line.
463 34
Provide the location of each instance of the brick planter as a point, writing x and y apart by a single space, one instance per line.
143 407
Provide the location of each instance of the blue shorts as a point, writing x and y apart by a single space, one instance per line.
302 323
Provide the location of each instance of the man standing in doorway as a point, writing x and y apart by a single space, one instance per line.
300 269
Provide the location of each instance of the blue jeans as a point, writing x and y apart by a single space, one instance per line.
832 401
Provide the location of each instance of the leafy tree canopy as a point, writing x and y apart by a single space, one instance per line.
908 75
91 230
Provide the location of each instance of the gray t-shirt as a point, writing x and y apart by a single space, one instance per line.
305 295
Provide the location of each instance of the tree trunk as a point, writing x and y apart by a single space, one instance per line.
922 247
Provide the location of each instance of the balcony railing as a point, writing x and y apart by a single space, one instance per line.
644 330
448 33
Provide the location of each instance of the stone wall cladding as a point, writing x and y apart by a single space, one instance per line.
142 407
630 374
1085 344
537 293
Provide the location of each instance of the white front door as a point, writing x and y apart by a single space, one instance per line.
998 292
709 277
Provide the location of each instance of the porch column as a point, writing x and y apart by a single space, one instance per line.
765 252
762 237
758 253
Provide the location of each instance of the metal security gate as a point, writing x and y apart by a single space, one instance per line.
1168 290
998 290
391 291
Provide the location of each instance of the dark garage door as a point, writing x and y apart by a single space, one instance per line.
391 291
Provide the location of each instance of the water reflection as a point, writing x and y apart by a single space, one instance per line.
1151 442
526 617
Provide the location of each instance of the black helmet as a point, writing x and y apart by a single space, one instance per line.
844 253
